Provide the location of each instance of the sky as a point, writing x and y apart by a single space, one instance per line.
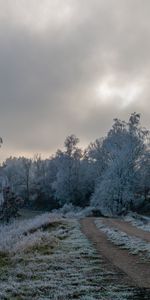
70 67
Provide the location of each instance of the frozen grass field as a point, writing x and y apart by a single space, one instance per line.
49 258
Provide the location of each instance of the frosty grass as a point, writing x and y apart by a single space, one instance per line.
49 258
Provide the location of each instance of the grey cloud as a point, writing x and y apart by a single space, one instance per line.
48 77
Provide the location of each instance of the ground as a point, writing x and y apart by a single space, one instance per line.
51 257
115 246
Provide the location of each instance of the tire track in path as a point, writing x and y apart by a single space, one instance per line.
127 228
137 271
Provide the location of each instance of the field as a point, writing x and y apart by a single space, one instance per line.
48 257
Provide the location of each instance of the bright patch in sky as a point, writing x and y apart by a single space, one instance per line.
123 94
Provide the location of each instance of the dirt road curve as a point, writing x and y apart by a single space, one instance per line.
138 272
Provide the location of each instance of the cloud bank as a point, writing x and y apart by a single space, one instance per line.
70 66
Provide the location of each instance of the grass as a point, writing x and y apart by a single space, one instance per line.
136 246
59 264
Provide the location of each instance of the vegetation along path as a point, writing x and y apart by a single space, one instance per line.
127 228
132 265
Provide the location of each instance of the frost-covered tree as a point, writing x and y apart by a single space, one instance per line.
1 141
18 171
12 168
143 178
38 181
97 158
86 179
26 177
67 185
124 147
9 201
44 174
113 172
10 206
113 193
51 176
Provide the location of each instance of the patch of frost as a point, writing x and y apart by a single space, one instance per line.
133 244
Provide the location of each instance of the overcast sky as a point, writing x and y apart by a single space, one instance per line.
70 66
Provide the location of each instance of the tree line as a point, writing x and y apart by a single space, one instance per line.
112 174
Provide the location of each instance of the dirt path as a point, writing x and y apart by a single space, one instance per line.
127 228
138 272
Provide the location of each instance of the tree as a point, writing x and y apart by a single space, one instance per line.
44 174
18 171
67 186
10 206
26 164
143 179
1 141
86 181
9 202
124 147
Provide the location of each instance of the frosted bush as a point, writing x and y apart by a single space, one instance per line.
34 241
14 235
139 221
71 211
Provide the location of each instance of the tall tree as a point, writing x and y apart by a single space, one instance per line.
68 164
125 146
